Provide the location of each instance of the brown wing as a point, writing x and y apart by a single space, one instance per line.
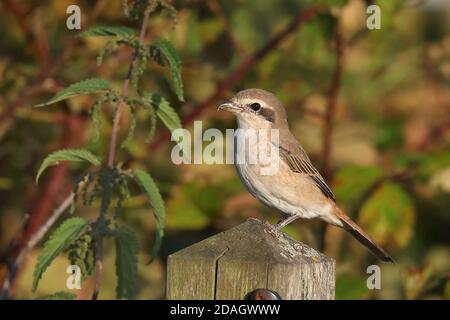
302 164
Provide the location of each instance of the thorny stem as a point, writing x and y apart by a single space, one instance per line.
112 148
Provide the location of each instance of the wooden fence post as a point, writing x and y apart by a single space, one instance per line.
250 256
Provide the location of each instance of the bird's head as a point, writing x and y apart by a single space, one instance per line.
256 108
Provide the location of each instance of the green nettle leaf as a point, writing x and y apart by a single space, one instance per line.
147 184
94 85
108 31
127 248
75 155
163 51
109 47
67 232
163 110
60 295
389 215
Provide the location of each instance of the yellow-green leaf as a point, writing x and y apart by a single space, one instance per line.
61 295
389 216
147 184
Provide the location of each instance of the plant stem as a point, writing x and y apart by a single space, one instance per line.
329 118
331 106
112 148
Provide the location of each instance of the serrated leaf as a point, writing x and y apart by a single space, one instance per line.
389 216
108 31
131 130
61 295
127 248
163 110
185 214
75 155
147 184
170 55
58 242
88 86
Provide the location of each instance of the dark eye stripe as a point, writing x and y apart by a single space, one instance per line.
267 114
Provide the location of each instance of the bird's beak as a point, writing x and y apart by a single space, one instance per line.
230 107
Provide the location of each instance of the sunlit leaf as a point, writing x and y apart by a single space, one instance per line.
351 182
389 215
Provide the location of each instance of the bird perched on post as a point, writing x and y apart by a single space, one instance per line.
296 188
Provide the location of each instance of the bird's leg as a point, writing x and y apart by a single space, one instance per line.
284 222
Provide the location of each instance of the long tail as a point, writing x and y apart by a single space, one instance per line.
362 237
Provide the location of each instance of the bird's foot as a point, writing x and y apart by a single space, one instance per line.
284 222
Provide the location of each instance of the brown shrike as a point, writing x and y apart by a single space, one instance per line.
296 189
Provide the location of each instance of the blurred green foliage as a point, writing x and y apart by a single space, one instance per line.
391 134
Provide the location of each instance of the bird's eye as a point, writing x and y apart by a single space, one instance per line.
255 106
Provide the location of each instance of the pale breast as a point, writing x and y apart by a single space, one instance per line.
286 191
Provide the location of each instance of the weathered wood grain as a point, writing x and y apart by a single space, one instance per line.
250 256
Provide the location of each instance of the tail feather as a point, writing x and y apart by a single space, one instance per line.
363 237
